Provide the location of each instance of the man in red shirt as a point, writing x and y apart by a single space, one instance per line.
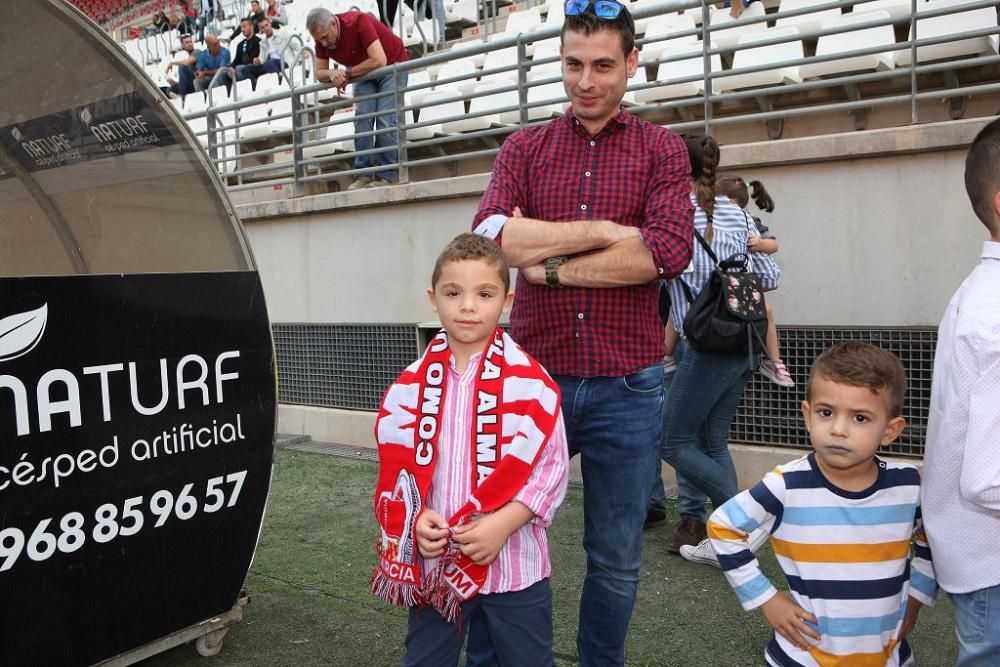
594 209
362 43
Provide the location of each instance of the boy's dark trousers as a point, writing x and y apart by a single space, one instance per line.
519 624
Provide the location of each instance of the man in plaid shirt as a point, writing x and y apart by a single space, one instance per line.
594 209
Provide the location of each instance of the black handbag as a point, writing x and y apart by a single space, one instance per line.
728 316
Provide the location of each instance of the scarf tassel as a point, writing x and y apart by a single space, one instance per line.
395 592
438 592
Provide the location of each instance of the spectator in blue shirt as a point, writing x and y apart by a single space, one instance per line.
212 66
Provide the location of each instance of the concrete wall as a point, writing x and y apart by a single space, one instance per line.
875 228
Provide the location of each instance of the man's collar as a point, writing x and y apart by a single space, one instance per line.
621 118
991 250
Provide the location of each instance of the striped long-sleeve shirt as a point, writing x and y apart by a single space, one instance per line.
524 558
846 557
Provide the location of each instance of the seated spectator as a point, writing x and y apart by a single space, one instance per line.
189 17
277 13
272 47
212 67
184 83
247 51
255 15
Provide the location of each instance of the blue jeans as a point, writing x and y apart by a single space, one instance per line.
977 625
698 412
385 105
518 623
185 81
269 66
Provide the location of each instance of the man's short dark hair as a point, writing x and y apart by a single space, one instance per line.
862 364
982 175
588 23
246 19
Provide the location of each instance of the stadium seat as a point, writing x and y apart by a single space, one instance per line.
689 63
438 106
483 101
342 131
805 22
853 41
544 101
546 50
949 25
502 58
661 30
764 55
736 28
458 67
898 9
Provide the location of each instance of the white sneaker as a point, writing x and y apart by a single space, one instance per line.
703 553
360 182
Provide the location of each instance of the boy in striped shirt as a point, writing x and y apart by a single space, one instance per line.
841 521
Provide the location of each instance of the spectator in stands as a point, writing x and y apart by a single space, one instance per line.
705 390
594 208
160 22
277 13
272 48
184 83
255 15
362 44
205 16
189 17
248 51
961 494
212 67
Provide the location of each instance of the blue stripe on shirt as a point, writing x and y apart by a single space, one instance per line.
753 588
849 516
923 584
837 589
858 626
739 518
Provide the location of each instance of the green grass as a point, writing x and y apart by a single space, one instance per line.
311 606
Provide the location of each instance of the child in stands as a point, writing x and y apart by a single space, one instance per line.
472 465
841 521
737 190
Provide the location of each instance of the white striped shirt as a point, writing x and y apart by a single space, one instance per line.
732 228
524 558
846 556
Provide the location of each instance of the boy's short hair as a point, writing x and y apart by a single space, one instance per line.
588 23
469 246
862 365
982 174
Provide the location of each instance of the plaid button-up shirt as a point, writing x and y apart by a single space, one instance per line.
633 173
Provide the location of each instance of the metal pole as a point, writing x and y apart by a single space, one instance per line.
403 172
913 61
298 138
707 64
522 81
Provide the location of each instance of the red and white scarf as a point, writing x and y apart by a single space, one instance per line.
517 405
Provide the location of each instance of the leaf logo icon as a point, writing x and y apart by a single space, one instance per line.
16 133
86 117
20 333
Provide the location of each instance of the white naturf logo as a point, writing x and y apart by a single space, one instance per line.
20 333
57 391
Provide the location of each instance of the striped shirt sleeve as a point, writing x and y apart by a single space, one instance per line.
546 488
730 525
923 583
762 263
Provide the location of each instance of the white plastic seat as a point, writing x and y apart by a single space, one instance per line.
555 13
950 24
267 83
438 105
689 64
853 41
243 89
549 100
898 9
806 22
764 55
457 52
416 78
661 28
250 130
459 67
483 101
736 28
344 131
522 21
280 107
544 50
501 58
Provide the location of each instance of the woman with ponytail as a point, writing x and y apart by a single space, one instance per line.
702 395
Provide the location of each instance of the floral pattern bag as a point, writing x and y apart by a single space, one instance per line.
729 315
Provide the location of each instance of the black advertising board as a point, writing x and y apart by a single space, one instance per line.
137 417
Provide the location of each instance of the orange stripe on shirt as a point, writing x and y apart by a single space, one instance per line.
841 553
719 532
853 659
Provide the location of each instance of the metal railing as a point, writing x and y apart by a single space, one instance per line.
310 128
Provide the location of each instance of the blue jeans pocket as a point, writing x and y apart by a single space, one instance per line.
647 382
970 615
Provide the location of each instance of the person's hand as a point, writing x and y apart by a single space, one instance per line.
517 212
256 61
789 619
170 67
910 619
753 243
535 274
481 539
432 534
200 74
338 78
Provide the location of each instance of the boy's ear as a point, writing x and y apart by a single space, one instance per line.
508 302
430 297
893 429
805 413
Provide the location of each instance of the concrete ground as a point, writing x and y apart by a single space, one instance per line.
311 606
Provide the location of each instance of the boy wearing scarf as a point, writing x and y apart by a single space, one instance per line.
472 466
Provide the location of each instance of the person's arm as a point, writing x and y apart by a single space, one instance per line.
546 487
762 263
979 482
525 240
664 245
253 52
481 539
323 70
923 583
766 246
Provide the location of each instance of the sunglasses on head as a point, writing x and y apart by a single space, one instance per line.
603 9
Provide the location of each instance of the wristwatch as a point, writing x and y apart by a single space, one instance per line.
552 265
